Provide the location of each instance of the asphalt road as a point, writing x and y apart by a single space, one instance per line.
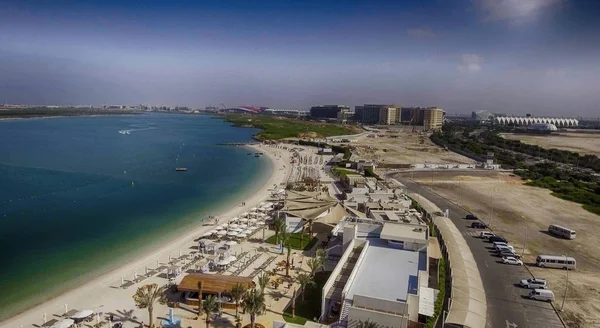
507 303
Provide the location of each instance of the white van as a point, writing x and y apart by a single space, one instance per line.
542 295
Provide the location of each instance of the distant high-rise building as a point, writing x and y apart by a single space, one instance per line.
377 114
433 118
327 111
412 115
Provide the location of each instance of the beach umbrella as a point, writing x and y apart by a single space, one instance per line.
245 214
242 235
236 230
243 226
244 220
232 233
222 261
82 314
233 225
213 232
231 258
262 204
224 225
222 233
262 209
206 234
248 231
231 243
234 219
219 228
252 221
66 323
253 209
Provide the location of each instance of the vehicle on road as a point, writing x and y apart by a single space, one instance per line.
511 260
562 231
497 238
471 217
534 283
542 295
500 248
485 234
552 261
509 254
478 225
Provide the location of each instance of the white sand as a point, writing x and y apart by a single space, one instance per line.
100 294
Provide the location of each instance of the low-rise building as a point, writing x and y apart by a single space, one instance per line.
328 111
380 277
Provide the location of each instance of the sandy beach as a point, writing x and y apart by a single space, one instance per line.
102 295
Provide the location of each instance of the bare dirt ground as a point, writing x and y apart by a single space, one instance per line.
399 145
583 143
521 213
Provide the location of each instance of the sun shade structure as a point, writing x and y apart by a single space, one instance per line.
64 324
211 283
468 305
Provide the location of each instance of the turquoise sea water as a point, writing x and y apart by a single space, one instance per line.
77 197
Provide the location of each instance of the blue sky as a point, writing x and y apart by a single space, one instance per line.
511 56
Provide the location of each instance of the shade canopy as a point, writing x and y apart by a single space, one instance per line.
252 220
242 235
245 214
233 225
82 314
206 234
64 323
213 231
231 243
243 220
212 284
219 228
222 233
231 258
253 209
234 219
248 231
243 226
224 261
236 230
232 233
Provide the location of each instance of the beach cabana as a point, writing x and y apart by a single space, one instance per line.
212 284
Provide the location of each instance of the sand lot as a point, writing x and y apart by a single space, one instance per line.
402 146
521 213
583 143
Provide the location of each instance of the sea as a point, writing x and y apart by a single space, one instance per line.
80 196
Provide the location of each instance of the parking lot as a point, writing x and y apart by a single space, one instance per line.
508 304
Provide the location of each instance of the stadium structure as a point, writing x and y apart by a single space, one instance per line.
526 121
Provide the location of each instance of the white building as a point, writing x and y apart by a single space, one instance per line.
382 276
516 120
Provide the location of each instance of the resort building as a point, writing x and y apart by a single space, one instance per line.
381 276
377 114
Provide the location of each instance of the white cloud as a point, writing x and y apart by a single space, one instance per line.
470 63
512 10
421 33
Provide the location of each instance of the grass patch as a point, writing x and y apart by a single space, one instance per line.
342 173
295 240
311 308
439 301
275 127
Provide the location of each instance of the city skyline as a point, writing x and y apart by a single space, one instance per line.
527 56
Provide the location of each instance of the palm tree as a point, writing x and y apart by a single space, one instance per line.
146 296
314 265
304 280
237 292
285 240
310 227
209 306
367 324
279 225
321 255
263 281
254 304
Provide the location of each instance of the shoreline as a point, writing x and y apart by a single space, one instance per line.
100 292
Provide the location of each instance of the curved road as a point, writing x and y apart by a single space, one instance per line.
507 304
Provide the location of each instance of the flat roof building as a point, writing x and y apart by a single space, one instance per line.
328 111
433 118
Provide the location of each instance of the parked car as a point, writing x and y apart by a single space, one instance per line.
497 238
542 295
509 254
506 247
478 225
511 260
534 283
485 234
471 217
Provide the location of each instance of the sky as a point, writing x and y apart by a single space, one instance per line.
506 56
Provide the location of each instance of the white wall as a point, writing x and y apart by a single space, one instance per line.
336 271
382 319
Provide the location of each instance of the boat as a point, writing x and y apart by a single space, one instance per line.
256 155
181 169
249 153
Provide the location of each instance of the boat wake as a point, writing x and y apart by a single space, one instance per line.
128 131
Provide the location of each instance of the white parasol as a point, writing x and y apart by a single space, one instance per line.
243 226
232 233
234 219
252 221
248 231
244 220
245 214
206 234
233 225
242 235
213 231
219 228
63 323
236 230
222 233
231 243
231 258
82 314
253 209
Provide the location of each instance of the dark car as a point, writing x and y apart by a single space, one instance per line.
471 217
497 238
478 225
